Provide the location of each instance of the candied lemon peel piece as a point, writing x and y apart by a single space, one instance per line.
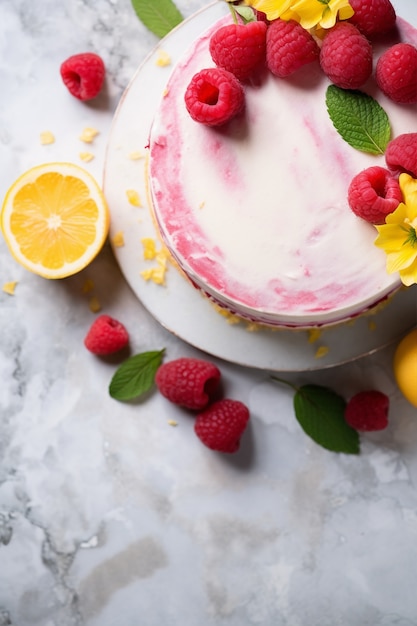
55 219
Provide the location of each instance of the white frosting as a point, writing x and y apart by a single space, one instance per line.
256 213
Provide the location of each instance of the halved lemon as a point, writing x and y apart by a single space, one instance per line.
55 219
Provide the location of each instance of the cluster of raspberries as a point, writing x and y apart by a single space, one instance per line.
195 385
239 51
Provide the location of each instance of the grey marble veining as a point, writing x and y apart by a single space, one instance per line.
109 516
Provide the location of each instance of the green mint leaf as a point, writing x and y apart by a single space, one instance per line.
359 119
135 376
159 16
320 413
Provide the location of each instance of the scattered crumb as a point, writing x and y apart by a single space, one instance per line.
86 156
88 134
149 248
313 335
252 327
372 325
231 319
165 93
88 285
155 274
202 204
136 155
10 287
133 197
172 423
118 240
321 352
94 305
163 59
47 137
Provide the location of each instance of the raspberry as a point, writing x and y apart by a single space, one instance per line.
367 411
346 56
401 154
222 424
373 17
239 48
373 193
289 47
188 382
214 96
106 336
396 73
83 75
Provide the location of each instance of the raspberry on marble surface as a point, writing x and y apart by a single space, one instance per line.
221 426
83 75
188 382
106 336
368 411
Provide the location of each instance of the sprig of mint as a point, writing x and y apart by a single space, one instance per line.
159 16
359 119
320 413
136 375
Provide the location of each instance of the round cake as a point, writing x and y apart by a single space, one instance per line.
255 212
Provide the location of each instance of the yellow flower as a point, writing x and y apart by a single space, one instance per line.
309 13
398 236
272 8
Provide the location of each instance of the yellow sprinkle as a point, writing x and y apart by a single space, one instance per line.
88 134
313 334
10 287
133 197
118 240
136 155
86 156
163 59
149 249
202 204
155 274
165 93
322 351
47 137
172 423
94 305
161 256
252 327
372 325
88 285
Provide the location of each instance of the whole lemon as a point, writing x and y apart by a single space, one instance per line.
405 366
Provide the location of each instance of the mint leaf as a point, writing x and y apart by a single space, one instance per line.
359 119
159 16
135 376
320 413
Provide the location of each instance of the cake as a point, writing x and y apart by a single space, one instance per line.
255 212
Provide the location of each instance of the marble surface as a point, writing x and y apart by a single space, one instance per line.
108 514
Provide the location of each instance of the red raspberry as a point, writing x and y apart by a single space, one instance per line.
214 96
106 336
188 382
373 17
373 194
401 154
83 75
396 73
289 47
346 56
222 424
239 48
367 411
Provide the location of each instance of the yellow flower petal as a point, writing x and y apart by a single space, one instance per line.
272 8
409 275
